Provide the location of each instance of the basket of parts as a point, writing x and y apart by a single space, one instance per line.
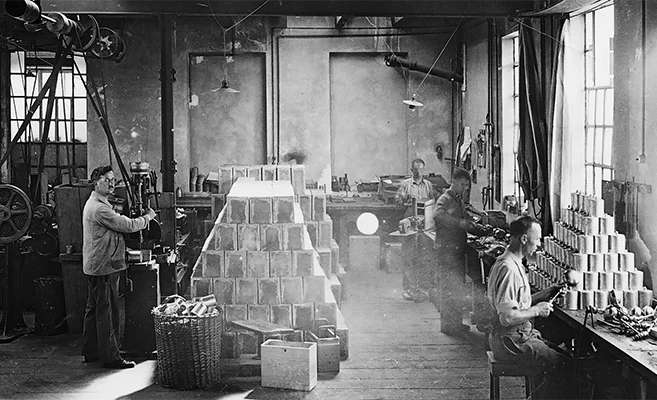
188 339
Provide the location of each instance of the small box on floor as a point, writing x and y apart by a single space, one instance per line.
289 365
364 252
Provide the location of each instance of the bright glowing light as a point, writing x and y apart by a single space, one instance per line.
367 223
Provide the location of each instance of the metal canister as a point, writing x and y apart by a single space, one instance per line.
199 309
209 300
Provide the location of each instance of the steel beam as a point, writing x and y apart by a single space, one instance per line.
386 8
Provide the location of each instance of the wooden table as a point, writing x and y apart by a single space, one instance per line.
639 356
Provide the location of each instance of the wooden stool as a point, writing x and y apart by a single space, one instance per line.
508 368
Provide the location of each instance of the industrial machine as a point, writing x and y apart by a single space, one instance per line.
143 183
15 220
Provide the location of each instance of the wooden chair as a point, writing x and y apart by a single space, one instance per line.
508 368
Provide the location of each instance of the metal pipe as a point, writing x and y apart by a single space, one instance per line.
394 61
167 78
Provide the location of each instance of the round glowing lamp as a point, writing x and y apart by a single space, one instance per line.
367 223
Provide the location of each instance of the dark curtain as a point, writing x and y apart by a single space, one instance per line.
538 62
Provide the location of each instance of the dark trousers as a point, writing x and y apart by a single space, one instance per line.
528 346
101 318
419 269
454 293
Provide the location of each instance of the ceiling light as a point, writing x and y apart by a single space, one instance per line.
225 88
412 103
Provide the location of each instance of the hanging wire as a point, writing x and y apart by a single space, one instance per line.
439 55
376 31
238 22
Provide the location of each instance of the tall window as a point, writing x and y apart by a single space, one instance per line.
510 115
65 155
599 88
29 73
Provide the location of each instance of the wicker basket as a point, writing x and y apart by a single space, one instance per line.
188 349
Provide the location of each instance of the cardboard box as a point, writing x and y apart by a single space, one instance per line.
289 365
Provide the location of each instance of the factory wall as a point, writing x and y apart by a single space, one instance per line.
475 103
635 119
303 85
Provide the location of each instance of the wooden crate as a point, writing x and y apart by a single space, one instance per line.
289 365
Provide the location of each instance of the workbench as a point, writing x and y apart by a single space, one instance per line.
637 357
345 213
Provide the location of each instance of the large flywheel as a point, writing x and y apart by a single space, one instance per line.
15 213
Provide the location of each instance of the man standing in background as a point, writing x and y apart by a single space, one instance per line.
413 271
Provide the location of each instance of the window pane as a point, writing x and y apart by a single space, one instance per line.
82 65
17 62
80 108
589 179
606 174
78 86
64 108
30 85
604 31
52 132
18 108
65 84
590 107
33 132
17 88
64 131
589 145
599 107
589 65
597 154
607 146
609 107
81 132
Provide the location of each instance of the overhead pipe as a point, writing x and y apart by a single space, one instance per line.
393 60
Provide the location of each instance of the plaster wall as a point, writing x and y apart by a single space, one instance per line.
296 88
305 88
475 100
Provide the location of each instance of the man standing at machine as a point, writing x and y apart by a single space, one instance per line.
452 225
103 259
411 190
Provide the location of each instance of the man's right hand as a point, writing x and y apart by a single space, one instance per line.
150 213
544 309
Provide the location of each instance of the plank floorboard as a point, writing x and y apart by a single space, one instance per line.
397 352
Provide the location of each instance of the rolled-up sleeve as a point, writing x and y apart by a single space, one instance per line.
505 292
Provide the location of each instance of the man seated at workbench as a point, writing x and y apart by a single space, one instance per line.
413 276
513 337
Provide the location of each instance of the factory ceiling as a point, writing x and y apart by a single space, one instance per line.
383 8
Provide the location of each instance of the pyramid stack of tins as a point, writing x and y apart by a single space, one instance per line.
585 240
263 256
295 174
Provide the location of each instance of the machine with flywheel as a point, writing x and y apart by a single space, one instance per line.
15 220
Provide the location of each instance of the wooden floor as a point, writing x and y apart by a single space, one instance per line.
396 352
